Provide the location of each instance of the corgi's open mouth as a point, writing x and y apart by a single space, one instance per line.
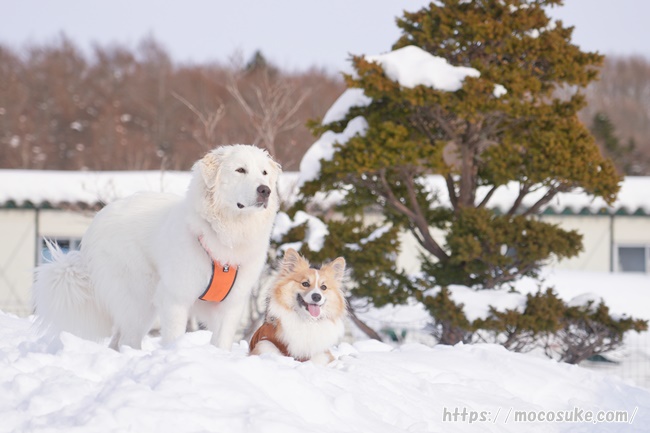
313 309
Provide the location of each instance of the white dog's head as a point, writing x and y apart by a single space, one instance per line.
238 179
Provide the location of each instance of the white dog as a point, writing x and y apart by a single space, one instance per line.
154 255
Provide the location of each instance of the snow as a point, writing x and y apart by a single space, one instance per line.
376 234
626 294
323 148
477 303
73 385
55 187
631 198
349 98
314 234
499 90
411 66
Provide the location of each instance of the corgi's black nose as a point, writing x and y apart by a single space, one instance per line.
316 297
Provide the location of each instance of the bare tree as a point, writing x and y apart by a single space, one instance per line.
209 120
271 104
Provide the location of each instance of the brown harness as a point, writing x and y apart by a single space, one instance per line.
266 332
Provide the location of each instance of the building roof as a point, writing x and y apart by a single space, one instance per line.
86 189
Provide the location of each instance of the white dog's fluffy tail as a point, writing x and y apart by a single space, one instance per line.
64 299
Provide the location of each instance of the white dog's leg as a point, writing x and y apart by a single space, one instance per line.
115 341
223 323
132 339
173 322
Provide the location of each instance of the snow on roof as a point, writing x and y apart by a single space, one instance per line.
44 188
24 188
34 188
632 198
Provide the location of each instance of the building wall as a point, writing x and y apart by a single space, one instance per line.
596 241
602 236
20 234
58 223
22 229
17 254
631 231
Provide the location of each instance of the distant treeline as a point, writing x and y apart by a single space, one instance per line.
621 99
120 108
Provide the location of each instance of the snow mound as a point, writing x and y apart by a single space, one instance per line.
70 385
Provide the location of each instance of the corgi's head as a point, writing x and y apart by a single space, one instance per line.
313 293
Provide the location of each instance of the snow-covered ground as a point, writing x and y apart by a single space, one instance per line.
626 294
73 385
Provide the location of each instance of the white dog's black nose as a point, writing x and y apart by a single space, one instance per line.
316 297
264 191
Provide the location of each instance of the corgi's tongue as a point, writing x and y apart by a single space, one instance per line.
313 309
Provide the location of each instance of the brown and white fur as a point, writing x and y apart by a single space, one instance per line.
305 311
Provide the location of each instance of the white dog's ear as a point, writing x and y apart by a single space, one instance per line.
209 166
338 266
278 166
290 262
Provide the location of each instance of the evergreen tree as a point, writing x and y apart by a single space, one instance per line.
477 139
626 156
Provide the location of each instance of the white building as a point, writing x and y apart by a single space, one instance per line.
38 205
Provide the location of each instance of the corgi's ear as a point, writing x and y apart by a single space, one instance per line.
338 266
291 261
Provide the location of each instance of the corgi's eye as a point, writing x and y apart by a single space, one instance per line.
241 170
323 287
305 283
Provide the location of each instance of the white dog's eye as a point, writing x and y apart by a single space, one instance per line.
241 170
264 173
323 287
305 283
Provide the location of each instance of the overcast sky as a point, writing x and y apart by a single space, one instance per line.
295 34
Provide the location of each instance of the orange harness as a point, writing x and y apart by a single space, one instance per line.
221 282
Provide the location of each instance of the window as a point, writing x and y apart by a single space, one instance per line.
633 259
66 244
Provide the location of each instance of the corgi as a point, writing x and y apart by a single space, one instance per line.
305 311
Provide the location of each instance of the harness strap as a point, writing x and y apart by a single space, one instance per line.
267 332
221 281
